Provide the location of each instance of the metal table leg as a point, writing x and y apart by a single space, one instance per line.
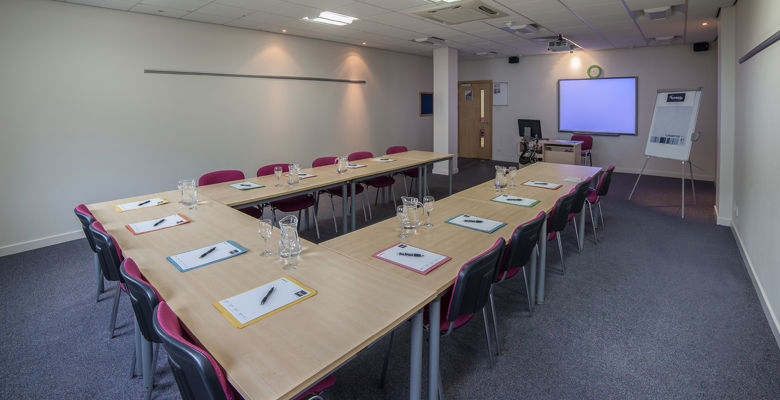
581 228
542 263
433 349
352 196
419 182
344 213
415 362
425 179
450 168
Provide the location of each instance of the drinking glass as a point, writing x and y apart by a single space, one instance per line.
401 214
428 208
181 190
189 194
278 173
512 174
265 230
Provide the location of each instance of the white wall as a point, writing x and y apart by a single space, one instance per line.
756 218
81 122
533 94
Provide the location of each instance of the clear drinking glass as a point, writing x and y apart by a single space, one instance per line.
266 229
181 189
428 208
512 173
401 214
189 194
278 173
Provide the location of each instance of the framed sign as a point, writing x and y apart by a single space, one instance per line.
500 93
426 104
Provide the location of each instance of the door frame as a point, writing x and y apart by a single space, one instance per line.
488 114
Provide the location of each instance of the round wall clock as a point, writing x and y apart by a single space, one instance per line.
594 71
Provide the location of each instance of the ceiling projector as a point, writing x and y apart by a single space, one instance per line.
560 44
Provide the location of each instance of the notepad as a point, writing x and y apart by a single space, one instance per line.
355 165
303 175
382 159
516 200
192 259
543 185
476 223
573 179
245 308
246 185
155 201
402 255
157 224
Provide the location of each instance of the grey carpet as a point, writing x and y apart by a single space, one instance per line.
661 308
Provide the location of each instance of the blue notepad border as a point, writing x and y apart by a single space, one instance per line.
449 221
241 249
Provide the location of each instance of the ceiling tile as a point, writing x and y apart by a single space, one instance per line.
209 18
224 10
187 5
396 5
322 4
163 11
360 10
115 4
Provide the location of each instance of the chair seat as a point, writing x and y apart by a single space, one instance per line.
253 211
444 325
411 172
585 152
592 196
296 203
381 181
337 190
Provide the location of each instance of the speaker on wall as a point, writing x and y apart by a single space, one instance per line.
701 46
514 59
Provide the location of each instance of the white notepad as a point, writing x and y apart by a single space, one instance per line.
401 254
245 308
516 200
355 165
476 223
155 201
192 259
383 159
573 179
303 175
157 224
544 185
246 185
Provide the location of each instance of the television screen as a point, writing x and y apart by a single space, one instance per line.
605 105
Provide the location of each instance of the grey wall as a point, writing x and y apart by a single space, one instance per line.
81 122
533 94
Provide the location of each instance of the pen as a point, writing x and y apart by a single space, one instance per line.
473 220
512 199
411 254
208 252
245 184
159 222
266 296
143 202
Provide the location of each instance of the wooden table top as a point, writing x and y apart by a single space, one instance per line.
278 356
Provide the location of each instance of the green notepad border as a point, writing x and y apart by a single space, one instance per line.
449 221
514 204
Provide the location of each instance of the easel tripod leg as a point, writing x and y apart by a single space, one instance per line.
693 188
640 175
683 189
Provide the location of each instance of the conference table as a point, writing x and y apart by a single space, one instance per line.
359 297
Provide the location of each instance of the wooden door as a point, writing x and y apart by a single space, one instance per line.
475 117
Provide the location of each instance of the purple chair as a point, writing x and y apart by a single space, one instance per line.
558 220
110 258
523 242
594 196
412 173
86 218
292 204
380 182
197 373
228 175
144 298
336 191
587 145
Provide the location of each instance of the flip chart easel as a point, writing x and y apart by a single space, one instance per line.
671 132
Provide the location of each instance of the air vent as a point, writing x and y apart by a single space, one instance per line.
429 40
466 11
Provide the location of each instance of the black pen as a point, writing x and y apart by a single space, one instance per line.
411 254
159 222
266 296
473 220
512 199
245 184
143 202
208 252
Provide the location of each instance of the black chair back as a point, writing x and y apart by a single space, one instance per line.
522 243
86 220
143 297
580 191
193 369
472 286
108 252
604 188
559 215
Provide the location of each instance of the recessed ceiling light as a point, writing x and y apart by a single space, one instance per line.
364 43
284 30
705 23
324 21
327 17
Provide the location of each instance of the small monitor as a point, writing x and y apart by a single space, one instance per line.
530 128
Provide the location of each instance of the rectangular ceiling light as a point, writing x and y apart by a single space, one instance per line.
327 17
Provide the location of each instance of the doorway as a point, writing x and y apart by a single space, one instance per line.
475 117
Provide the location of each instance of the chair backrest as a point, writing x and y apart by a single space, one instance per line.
605 180
109 253
359 155
197 374
323 161
269 169
580 191
559 215
587 141
86 218
143 297
396 149
521 244
226 175
472 286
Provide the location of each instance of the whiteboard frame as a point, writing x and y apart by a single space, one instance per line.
603 133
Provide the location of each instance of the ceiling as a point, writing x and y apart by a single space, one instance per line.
391 24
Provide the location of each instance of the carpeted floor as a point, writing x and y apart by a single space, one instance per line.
661 308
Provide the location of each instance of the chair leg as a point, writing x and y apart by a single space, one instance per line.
406 192
316 225
387 360
112 325
601 215
274 211
363 204
560 250
527 291
368 203
376 200
99 274
333 211
577 233
487 335
440 386
136 367
392 193
495 321
153 368
592 222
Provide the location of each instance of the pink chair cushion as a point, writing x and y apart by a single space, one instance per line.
587 141
380 181
100 228
592 196
171 325
269 169
132 269
323 161
294 203
81 208
220 176
253 211
396 149
337 190
359 155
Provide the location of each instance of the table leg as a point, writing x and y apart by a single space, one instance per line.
581 228
425 179
415 362
419 182
542 263
450 168
344 213
352 196
433 349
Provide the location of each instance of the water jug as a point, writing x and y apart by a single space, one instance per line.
412 208
500 181
292 174
289 243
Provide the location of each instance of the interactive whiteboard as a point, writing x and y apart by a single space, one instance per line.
674 120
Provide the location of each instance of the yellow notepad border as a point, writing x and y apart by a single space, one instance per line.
116 206
239 325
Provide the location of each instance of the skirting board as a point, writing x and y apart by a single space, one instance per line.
722 221
668 174
40 242
774 324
